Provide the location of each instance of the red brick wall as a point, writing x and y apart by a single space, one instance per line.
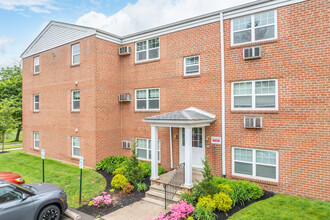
299 131
299 59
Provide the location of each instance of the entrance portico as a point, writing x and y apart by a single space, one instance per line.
187 120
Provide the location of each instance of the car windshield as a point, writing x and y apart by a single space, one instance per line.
25 188
30 188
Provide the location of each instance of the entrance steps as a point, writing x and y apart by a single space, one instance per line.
156 193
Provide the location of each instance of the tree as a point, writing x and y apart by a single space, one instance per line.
11 89
7 121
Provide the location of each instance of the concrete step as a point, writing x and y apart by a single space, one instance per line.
154 201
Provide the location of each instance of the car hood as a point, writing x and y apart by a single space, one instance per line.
44 187
8 175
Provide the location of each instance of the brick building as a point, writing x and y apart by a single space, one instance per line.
274 96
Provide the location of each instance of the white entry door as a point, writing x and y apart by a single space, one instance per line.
198 146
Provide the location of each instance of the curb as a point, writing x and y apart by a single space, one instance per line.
72 215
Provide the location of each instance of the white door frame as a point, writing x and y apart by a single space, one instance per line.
181 154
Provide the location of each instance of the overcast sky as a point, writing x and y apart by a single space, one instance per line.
22 20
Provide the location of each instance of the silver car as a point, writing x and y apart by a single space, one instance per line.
35 201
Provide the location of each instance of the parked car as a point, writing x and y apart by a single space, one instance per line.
31 201
12 177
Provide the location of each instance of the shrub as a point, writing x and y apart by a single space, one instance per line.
147 165
143 169
119 170
118 181
207 202
127 189
225 188
222 201
109 164
190 218
134 173
242 190
161 170
90 203
141 187
202 213
102 200
112 190
189 197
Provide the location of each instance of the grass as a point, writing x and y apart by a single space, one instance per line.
65 175
11 147
10 138
285 207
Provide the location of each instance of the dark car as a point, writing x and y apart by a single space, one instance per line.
12 177
31 201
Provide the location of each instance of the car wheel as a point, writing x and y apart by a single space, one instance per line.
51 212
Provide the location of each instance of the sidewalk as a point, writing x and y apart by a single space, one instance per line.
140 210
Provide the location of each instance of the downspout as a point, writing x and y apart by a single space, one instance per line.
223 109
171 148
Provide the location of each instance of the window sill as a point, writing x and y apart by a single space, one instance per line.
254 111
36 149
75 158
146 111
36 74
72 111
254 43
268 182
35 111
146 61
75 65
191 76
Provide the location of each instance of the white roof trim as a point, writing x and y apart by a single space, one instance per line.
201 112
229 13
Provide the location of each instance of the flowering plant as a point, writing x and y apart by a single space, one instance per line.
178 211
102 200
127 189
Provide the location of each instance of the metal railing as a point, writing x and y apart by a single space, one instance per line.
174 184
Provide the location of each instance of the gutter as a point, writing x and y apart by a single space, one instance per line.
223 109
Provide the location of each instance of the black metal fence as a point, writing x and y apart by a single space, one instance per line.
174 184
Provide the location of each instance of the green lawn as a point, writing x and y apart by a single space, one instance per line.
65 175
285 207
10 137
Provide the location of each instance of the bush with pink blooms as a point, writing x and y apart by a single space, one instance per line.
102 200
178 211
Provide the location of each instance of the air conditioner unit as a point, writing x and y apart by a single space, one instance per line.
125 97
124 51
126 144
251 53
252 122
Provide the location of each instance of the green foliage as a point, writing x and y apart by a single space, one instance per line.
118 181
112 190
141 187
119 170
90 203
190 218
161 170
143 168
127 189
189 197
225 189
7 120
207 202
207 171
203 213
223 202
242 190
111 163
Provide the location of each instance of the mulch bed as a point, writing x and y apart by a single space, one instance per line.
238 207
118 200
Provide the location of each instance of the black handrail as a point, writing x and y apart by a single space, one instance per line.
174 184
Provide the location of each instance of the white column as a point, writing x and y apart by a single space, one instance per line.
188 157
154 152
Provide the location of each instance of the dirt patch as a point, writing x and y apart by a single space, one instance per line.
118 200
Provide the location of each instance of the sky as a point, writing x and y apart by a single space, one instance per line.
22 20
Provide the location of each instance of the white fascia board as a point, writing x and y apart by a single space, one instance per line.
108 37
201 112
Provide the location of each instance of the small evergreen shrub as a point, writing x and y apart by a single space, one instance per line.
203 213
118 181
111 163
119 170
222 201
207 202
141 187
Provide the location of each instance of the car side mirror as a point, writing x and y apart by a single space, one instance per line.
25 196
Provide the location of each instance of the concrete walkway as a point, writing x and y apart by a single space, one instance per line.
140 210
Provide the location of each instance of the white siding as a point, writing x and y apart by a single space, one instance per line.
57 34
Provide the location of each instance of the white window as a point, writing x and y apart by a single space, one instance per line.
143 149
255 163
147 50
76 146
75 54
147 99
75 100
197 137
253 28
191 65
255 95
36 102
36 140
36 65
